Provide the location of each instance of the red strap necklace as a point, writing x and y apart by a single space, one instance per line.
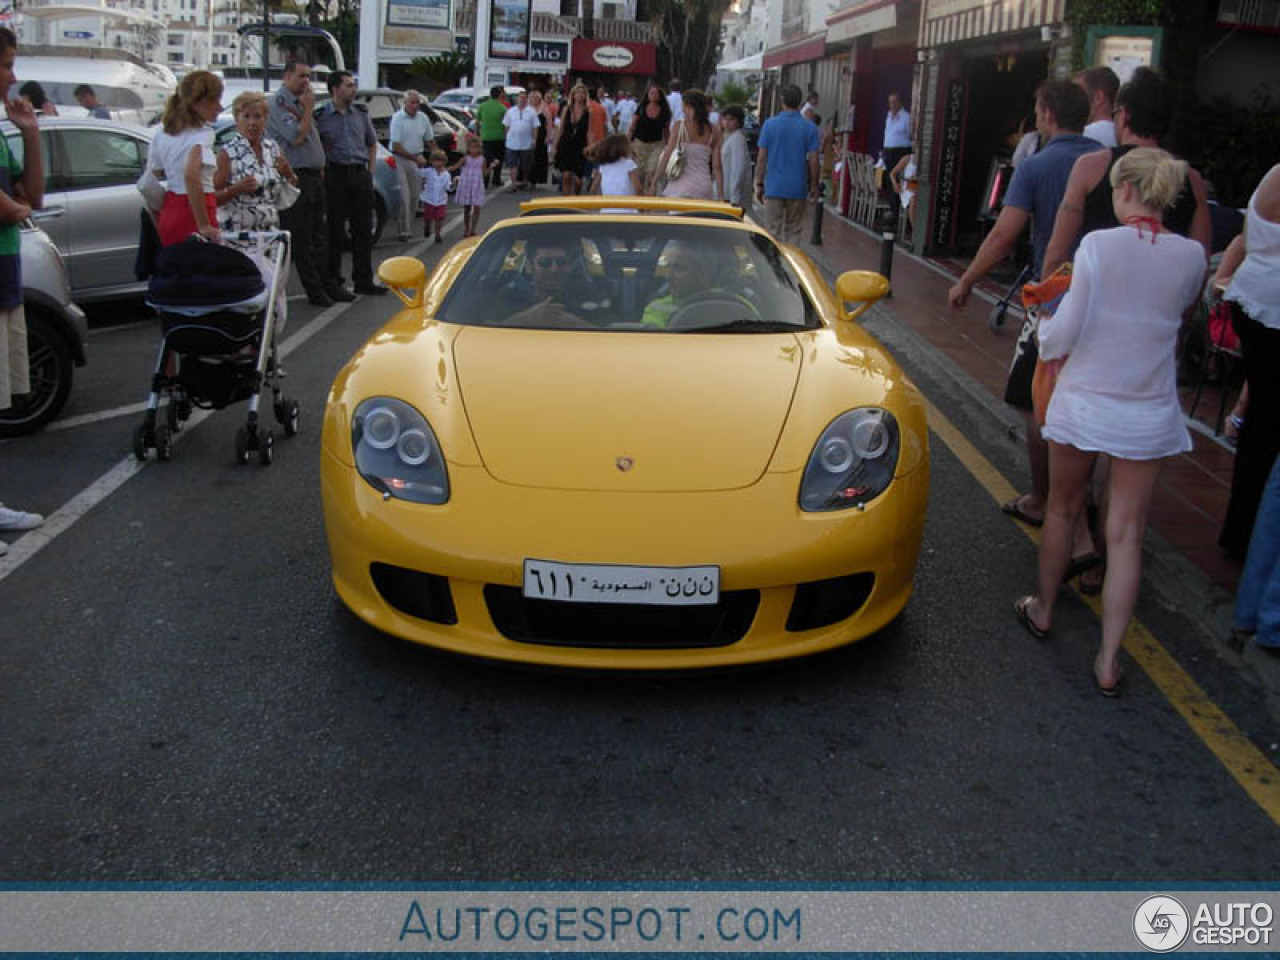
1154 225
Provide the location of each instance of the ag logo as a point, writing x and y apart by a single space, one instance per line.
1161 923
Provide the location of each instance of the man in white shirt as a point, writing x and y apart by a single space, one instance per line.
521 122
675 100
897 138
610 109
810 105
410 134
626 111
1101 85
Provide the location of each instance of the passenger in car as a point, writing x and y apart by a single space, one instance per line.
693 274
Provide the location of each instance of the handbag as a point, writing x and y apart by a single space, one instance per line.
1036 297
287 196
676 162
152 189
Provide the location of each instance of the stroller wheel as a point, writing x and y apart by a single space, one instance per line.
242 445
996 317
140 444
266 447
178 412
288 415
164 443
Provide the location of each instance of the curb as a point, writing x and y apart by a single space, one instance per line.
1176 582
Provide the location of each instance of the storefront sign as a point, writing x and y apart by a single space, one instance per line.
509 29
1123 49
600 56
612 57
950 153
549 51
859 21
433 14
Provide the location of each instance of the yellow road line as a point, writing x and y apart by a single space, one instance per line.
1250 766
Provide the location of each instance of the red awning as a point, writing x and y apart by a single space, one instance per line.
812 47
614 56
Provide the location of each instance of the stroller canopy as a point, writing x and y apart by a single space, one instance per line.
197 273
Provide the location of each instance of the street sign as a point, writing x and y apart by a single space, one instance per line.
78 34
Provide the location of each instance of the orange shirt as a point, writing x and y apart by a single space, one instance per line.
599 121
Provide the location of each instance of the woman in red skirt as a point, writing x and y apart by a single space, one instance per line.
182 155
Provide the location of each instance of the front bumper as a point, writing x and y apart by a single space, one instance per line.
763 543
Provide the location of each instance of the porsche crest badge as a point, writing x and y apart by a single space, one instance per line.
624 463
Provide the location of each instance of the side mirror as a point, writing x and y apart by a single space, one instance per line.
863 287
405 277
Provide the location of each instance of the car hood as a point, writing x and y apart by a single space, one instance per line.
627 412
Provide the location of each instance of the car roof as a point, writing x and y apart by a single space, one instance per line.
54 123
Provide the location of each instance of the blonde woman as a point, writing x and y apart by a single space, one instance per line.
182 155
1117 394
701 178
251 172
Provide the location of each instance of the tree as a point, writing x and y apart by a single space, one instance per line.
689 38
443 67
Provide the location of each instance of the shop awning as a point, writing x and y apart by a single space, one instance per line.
751 64
861 19
804 49
614 56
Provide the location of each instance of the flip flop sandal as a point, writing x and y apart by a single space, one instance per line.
1113 690
1089 587
1020 609
1013 508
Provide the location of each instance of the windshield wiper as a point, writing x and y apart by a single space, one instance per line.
748 325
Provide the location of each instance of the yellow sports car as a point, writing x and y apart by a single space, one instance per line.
642 439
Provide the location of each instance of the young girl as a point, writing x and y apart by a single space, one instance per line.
470 192
616 173
435 194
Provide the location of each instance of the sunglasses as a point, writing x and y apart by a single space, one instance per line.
546 263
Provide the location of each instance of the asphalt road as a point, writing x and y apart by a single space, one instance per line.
184 699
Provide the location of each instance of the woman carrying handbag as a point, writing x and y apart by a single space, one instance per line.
695 172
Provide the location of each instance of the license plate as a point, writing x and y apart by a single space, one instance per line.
609 583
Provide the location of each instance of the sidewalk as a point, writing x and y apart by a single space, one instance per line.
1192 494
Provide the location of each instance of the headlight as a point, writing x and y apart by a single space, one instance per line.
397 453
853 461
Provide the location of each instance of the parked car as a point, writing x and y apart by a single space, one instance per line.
463 116
386 185
468 98
767 502
57 335
91 207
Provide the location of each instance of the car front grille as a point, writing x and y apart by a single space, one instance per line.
632 626
422 595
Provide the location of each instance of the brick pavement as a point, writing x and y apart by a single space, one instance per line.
1192 494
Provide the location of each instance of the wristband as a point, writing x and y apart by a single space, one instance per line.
1235 421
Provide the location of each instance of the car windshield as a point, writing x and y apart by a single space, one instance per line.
643 275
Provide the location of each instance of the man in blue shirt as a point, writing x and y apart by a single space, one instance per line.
1037 188
787 167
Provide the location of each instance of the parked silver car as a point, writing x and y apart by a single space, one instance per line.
92 210
57 335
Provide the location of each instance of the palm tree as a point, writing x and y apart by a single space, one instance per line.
689 32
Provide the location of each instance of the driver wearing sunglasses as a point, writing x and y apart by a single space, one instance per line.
561 295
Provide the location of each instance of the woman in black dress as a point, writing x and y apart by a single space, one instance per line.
571 141
539 175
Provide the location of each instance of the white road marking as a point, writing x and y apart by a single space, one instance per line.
62 519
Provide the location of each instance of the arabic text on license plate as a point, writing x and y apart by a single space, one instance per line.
607 583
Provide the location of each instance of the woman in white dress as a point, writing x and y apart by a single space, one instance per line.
1117 393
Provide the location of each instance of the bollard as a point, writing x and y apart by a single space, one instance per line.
886 259
816 237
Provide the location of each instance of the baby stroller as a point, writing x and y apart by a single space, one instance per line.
219 345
